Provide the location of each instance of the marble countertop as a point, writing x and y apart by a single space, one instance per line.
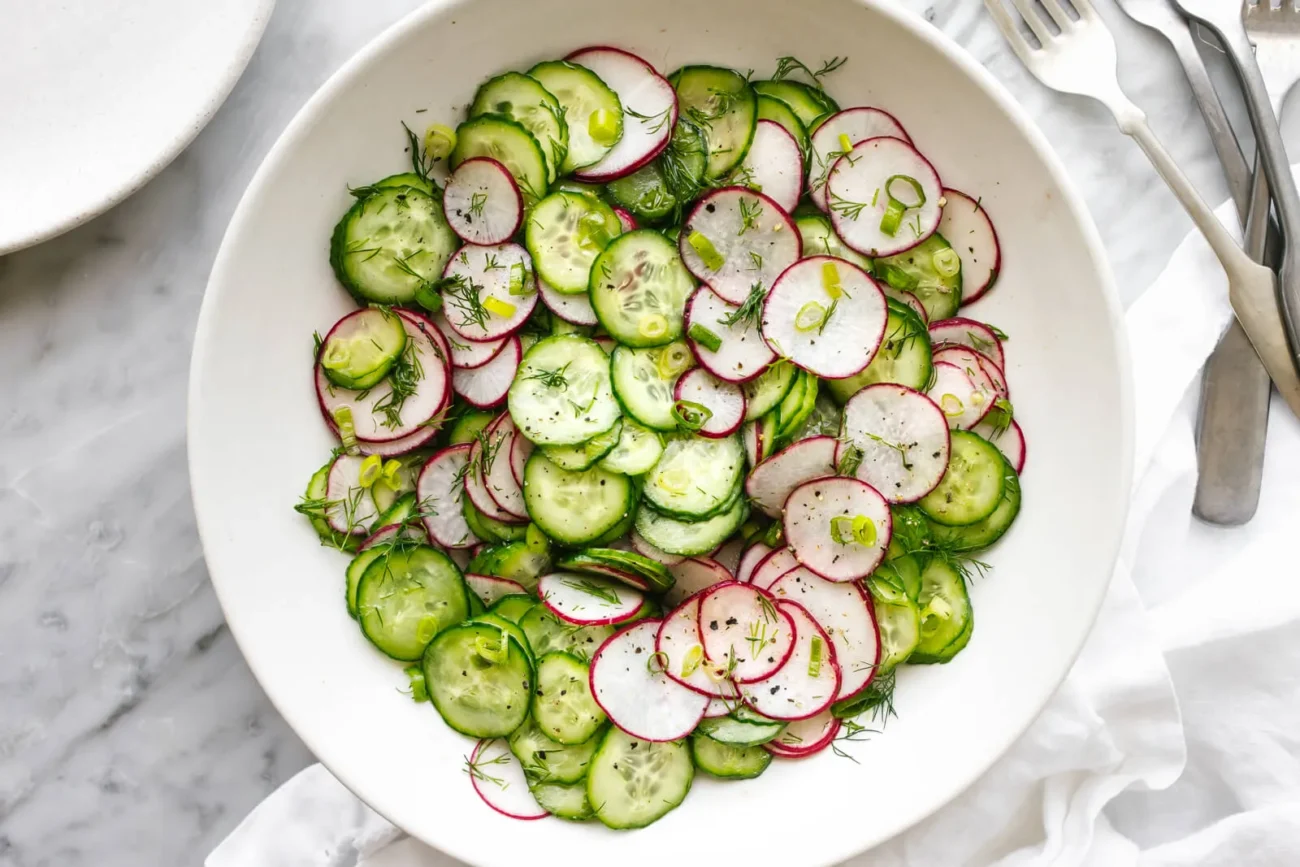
131 731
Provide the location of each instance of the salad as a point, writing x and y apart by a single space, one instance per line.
663 443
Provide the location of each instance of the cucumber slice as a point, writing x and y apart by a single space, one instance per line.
562 705
899 623
729 762
355 570
563 801
586 455
565 233
405 179
639 288
740 733
972 488
809 104
508 143
915 271
399 512
638 449
904 357
581 94
722 102
634 569
479 679
632 783
548 760
390 243
766 392
315 504
773 109
946 617
644 379
690 539
409 596
360 350
574 508
467 425
513 607
547 633
696 478
663 187
516 561
525 101
982 534
510 628
562 395
819 239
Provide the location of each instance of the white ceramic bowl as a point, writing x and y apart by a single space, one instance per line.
256 434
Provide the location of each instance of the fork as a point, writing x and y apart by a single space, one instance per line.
1079 56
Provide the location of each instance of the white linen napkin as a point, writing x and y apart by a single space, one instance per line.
1082 786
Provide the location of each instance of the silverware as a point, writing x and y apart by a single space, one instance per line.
1078 55
1224 18
1233 422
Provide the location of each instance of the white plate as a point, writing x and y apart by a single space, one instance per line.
256 435
100 95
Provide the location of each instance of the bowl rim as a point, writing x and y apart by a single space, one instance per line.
916 25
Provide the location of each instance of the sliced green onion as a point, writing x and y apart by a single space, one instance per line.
676 480
419 689
850 461
810 317
652 327
426 629
842 529
691 415
342 416
592 233
896 208
831 280
372 469
896 277
708 253
428 298
673 360
602 126
337 354
951 405
947 263
864 531
703 336
391 469
691 662
497 307
439 141
774 535
893 217
492 653
815 659
519 284
658 662
846 143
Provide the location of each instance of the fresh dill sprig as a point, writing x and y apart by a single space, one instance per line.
750 211
852 732
830 311
749 314
421 164
489 447
316 343
661 119
476 770
476 204
591 588
890 444
551 378
466 298
404 380
787 66
840 205
718 104
757 259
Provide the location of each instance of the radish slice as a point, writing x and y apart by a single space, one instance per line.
370 418
741 630
728 556
857 198
771 482
753 555
808 681
467 354
859 124
588 601
964 403
487 386
724 400
461 557
846 613
625 217
490 588
772 567
440 484
498 778
803 738
821 526
406 444
967 227
692 575
718 707
352 510
743 353
773 165
520 449
491 457
636 582
493 293
575 309
901 438
387 534
981 369
748 238
643 702
482 202
1009 440
645 549
960 331
649 111
684 659
832 337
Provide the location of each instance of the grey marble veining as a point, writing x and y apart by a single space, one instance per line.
131 732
